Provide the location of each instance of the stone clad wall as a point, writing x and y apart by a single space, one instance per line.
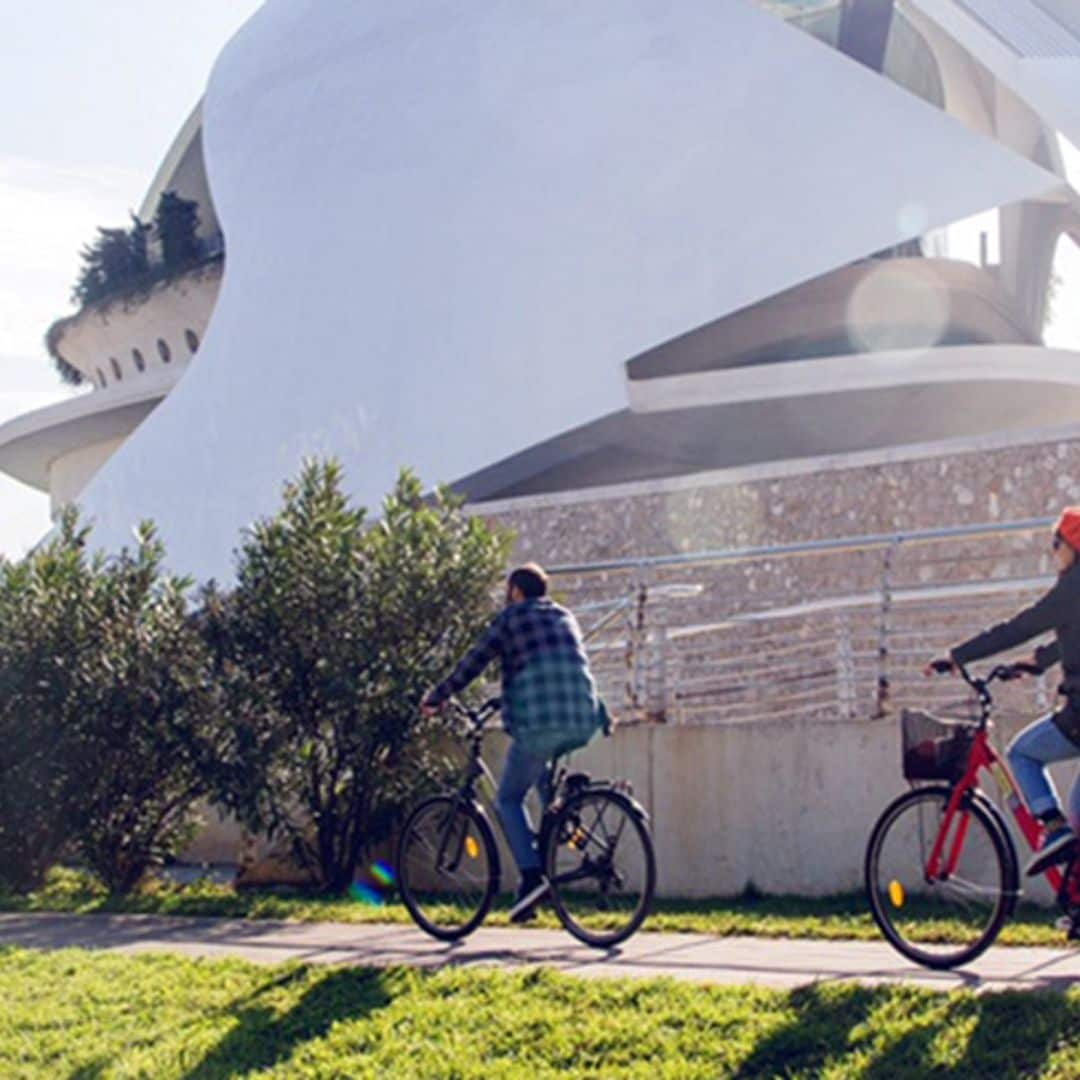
991 482
787 804
988 482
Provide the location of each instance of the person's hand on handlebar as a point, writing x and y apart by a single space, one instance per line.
1027 666
427 710
940 665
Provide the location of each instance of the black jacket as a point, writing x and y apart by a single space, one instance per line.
1058 610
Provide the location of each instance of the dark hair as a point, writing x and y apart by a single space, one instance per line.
530 579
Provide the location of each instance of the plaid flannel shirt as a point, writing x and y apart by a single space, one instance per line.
549 697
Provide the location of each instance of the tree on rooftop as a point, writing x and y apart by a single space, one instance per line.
177 223
118 257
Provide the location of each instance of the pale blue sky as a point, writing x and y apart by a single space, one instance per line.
94 94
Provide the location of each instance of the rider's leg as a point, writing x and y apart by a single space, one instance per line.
521 772
1038 745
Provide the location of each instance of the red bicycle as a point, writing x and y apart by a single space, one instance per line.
941 869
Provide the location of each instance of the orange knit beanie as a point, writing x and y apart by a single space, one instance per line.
1068 526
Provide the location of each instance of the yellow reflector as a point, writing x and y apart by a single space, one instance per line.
896 893
472 847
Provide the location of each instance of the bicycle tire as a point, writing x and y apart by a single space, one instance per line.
451 901
960 918
582 876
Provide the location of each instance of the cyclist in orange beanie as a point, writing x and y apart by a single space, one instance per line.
1056 737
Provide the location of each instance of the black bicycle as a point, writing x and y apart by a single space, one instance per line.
594 846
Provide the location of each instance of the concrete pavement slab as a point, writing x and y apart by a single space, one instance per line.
691 957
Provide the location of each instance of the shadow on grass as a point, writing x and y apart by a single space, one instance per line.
1014 1034
1019 1032
819 1032
263 1038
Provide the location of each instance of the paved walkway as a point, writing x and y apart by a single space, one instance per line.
692 957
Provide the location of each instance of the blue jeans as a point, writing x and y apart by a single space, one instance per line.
1038 745
521 772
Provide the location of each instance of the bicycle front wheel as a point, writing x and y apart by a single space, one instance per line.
601 866
947 920
447 867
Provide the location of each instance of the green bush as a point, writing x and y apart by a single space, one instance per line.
150 718
325 647
46 626
108 711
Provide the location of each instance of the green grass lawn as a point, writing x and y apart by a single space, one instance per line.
93 1016
835 918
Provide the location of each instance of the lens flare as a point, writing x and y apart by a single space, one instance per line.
898 306
382 874
365 894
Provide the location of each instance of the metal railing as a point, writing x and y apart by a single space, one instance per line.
829 629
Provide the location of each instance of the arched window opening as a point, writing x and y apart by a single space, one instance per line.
192 340
140 360
115 364
164 351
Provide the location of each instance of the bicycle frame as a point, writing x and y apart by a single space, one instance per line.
477 769
983 756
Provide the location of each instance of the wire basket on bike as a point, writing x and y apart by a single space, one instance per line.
934 749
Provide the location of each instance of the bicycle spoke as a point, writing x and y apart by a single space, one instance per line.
601 868
445 868
948 920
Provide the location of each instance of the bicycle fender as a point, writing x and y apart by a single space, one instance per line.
639 811
496 865
995 815
976 795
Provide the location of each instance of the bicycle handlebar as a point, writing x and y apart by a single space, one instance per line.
477 717
999 673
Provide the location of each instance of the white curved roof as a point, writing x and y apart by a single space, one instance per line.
449 227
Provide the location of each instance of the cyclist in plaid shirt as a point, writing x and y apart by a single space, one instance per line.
550 706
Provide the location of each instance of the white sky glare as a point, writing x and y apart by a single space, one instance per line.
94 95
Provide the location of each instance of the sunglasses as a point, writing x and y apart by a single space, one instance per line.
1057 542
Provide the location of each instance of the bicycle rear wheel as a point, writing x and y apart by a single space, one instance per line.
938 923
447 867
601 866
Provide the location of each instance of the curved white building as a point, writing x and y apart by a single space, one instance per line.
536 250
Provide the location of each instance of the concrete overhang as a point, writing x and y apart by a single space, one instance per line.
895 302
30 443
971 365
755 416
